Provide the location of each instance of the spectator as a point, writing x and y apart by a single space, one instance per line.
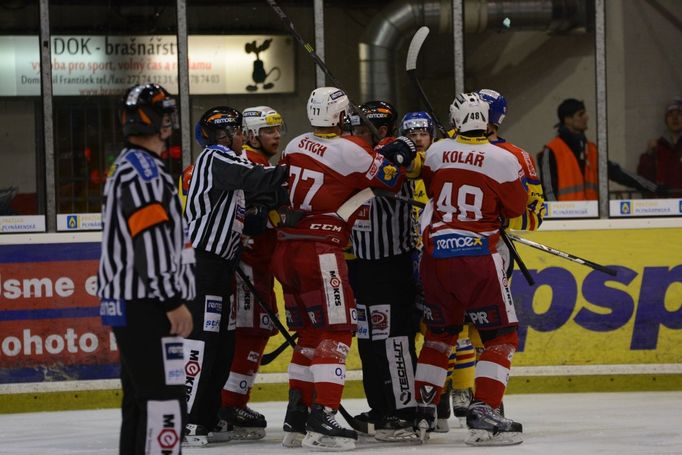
662 162
569 165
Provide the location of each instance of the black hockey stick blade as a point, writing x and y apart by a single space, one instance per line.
270 356
411 68
357 425
563 254
319 62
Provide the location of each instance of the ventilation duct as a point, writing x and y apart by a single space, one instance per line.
401 17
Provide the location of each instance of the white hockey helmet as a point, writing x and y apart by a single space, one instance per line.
325 106
259 117
469 112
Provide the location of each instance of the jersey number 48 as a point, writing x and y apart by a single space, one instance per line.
469 202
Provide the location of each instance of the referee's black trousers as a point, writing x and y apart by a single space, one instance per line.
213 343
388 345
143 380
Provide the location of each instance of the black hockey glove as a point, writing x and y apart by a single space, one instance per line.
255 220
401 151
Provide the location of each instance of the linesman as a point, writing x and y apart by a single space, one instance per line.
146 276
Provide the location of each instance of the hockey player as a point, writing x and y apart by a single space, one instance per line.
384 284
263 128
471 182
325 171
419 127
217 218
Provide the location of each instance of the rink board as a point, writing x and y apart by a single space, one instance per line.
50 329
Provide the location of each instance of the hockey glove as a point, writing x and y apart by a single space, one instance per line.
401 151
255 220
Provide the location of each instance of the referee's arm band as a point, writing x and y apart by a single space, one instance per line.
146 217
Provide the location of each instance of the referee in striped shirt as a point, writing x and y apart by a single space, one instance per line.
145 275
225 200
384 286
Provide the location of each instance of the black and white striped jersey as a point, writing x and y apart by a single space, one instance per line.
387 227
145 254
216 202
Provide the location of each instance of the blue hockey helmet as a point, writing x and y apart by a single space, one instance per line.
498 105
417 120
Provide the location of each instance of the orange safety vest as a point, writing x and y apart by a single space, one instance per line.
572 185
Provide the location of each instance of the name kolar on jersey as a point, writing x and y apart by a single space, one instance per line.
456 156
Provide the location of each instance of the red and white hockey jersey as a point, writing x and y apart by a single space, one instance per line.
324 172
471 183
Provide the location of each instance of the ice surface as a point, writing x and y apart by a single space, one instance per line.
588 423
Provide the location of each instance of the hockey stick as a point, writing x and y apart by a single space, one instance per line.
411 68
563 254
352 421
270 356
515 254
316 58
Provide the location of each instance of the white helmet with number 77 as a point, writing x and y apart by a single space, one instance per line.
325 106
468 112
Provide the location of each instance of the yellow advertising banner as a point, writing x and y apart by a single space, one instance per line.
576 315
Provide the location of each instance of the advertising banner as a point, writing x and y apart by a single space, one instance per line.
108 65
575 315
50 328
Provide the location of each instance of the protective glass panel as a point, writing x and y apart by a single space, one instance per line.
99 50
644 76
242 56
22 191
540 55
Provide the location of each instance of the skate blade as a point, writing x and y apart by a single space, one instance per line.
487 438
247 433
219 436
292 440
194 441
403 435
323 443
442 426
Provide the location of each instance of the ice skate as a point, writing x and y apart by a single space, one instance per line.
246 424
324 433
394 429
489 428
294 420
194 435
461 399
371 418
222 432
443 408
424 421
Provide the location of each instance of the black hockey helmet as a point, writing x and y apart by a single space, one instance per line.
380 113
143 107
219 118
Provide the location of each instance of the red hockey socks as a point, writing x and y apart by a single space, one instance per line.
248 350
329 367
432 367
300 375
492 369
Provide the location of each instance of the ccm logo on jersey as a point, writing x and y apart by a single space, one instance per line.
326 227
451 245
